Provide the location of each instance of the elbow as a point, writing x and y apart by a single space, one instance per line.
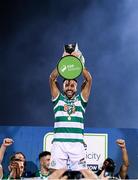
91 78
127 164
52 77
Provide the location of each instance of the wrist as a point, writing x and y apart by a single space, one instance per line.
123 148
3 146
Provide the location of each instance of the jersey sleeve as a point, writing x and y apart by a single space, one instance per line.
83 102
55 100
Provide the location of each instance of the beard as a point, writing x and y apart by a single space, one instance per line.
69 94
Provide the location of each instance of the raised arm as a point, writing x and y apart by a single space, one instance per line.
6 142
125 164
1 171
53 83
86 86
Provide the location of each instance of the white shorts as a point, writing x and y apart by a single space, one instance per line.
63 153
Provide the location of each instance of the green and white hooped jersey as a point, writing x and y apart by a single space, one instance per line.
69 125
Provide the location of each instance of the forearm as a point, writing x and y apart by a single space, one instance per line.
12 174
54 74
2 152
87 76
125 164
86 86
53 83
1 172
125 157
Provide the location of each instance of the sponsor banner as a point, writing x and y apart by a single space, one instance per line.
96 148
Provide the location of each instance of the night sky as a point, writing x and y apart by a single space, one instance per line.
32 36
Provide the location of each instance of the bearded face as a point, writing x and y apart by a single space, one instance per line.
70 88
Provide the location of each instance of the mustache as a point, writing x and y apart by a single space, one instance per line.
69 90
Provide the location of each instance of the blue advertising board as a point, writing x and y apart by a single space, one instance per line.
29 140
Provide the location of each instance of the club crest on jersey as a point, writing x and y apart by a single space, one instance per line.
69 108
53 163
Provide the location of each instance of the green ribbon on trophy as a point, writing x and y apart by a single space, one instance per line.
70 66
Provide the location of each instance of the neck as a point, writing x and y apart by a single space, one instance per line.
70 97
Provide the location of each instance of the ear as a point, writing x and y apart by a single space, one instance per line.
63 86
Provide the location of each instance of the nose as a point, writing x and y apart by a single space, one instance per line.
69 87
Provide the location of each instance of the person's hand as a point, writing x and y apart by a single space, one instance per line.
65 54
7 142
76 54
121 143
15 170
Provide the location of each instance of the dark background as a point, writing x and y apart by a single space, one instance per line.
32 36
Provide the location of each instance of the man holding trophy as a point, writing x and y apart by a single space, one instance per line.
69 109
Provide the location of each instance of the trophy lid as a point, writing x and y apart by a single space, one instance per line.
69 48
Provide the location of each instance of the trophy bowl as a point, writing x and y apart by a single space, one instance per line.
69 67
